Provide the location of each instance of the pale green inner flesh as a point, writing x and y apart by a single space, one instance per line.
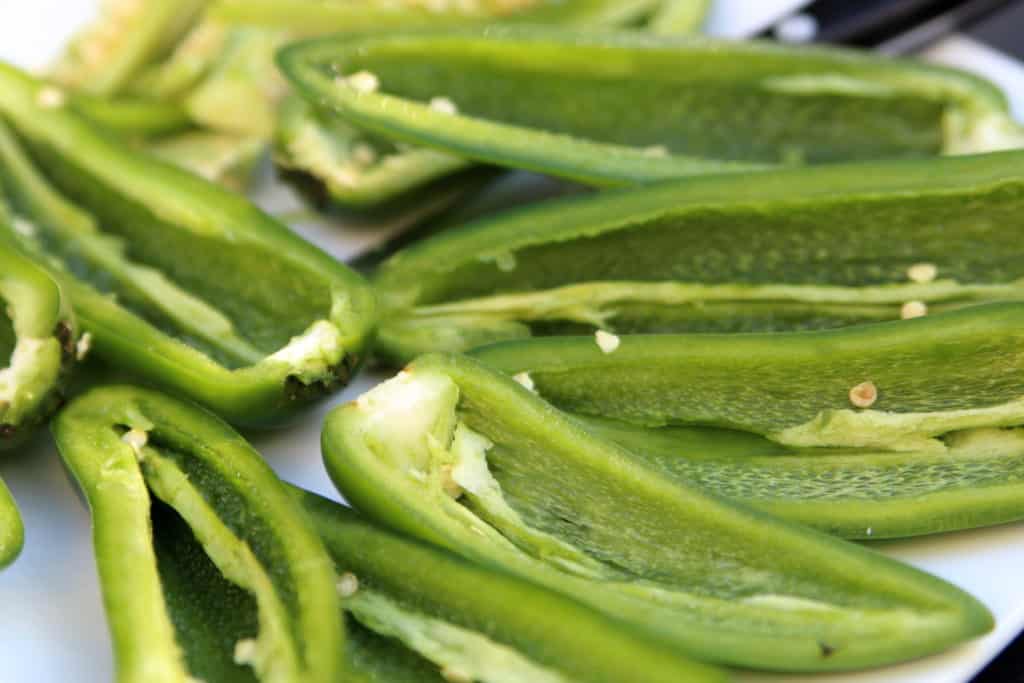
675 564
29 370
810 265
236 305
703 104
355 167
750 468
460 653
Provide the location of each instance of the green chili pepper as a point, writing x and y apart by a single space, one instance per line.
463 457
128 35
361 169
899 386
38 335
793 249
280 614
612 109
216 301
38 342
474 624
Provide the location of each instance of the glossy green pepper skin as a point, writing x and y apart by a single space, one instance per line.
795 249
38 337
610 108
358 169
215 300
464 457
458 618
180 503
935 445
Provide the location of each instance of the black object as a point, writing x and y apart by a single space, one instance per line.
905 26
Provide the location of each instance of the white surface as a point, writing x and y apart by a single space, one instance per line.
52 627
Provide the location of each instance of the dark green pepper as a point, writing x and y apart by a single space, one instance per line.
462 456
215 300
180 502
621 108
793 249
412 607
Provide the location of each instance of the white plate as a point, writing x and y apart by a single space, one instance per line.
52 626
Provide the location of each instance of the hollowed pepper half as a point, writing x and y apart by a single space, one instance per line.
464 457
875 431
178 281
209 568
609 108
794 249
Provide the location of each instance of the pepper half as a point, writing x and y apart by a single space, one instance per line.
610 108
178 281
38 341
209 568
358 169
794 249
463 457
880 431
414 608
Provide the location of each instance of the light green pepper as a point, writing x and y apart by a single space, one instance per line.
216 301
155 472
463 457
611 108
801 248
127 36
870 432
412 607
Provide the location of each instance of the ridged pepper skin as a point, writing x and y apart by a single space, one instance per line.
210 570
875 431
458 618
464 457
620 108
804 248
180 282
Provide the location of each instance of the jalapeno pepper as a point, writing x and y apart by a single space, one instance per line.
214 300
879 431
464 457
623 108
795 249
209 568
412 606
126 37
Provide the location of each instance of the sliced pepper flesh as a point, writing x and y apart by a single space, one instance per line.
460 619
127 37
862 494
613 108
162 476
38 338
464 457
794 249
215 300
359 169
901 386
